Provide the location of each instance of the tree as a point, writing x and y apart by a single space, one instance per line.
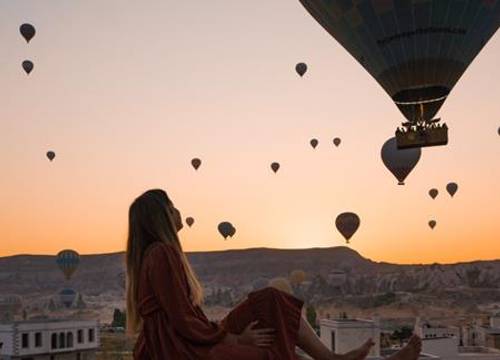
80 304
119 318
311 315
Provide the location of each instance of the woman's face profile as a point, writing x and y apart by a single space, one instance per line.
176 216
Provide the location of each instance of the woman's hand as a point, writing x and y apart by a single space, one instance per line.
256 337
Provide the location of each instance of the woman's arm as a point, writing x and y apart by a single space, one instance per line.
166 275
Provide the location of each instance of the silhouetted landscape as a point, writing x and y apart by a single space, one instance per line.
337 279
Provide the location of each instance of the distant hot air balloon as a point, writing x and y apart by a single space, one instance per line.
433 193
189 221
27 31
282 284
400 162
301 69
432 224
314 143
452 188
498 131
226 229
347 224
275 167
28 66
67 297
68 261
416 50
196 163
337 141
51 155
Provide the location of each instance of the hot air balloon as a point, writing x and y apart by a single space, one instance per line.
433 193
301 69
27 66
67 297
432 224
51 155
196 163
416 50
337 141
189 221
452 188
226 229
400 162
282 284
314 143
347 224
275 167
68 261
27 31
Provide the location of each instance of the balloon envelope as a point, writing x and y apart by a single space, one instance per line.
433 193
400 162
51 155
347 224
314 143
27 31
226 229
68 261
337 141
189 221
432 224
301 68
196 163
416 50
275 166
28 66
67 297
452 188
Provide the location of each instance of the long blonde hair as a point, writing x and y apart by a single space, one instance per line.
151 220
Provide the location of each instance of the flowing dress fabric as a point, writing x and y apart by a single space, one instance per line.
173 328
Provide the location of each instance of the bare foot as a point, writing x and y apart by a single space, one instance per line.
410 352
357 354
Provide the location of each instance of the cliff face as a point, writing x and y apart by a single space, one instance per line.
332 273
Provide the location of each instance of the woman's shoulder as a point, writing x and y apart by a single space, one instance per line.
159 249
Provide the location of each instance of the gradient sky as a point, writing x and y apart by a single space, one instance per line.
127 92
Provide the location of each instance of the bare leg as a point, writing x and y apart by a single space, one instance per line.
312 345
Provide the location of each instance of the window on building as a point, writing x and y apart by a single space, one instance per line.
52 357
38 339
25 341
69 339
53 341
79 336
78 356
91 335
62 341
333 341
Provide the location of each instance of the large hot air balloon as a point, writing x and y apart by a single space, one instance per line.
314 143
452 188
196 163
67 297
301 69
28 66
400 162
433 193
27 31
189 221
347 224
275 167
51 155
337 141
417 50
226 229
68 261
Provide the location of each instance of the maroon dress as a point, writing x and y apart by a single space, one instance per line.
173 328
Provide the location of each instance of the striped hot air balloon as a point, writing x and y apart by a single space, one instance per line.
68 261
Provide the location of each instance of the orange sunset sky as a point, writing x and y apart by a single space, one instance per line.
126 92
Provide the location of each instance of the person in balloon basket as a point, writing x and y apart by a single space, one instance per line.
164 301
